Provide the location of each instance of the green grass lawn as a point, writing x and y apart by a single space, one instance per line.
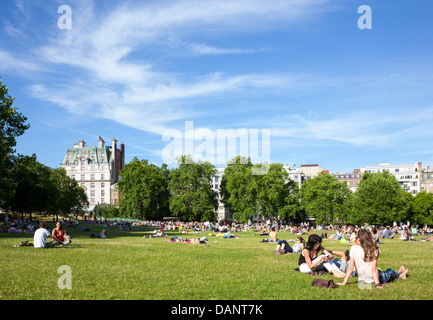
129 267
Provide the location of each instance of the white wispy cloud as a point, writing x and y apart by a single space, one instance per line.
376 128
113 70
9 62
107 66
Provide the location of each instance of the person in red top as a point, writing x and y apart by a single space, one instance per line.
60 233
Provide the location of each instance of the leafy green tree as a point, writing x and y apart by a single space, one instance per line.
422 206
237 191
325 198
271 194
12 125
143 190
277 195
192 197
106 210
66 195
379 199
33 189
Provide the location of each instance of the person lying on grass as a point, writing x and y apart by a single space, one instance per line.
364 258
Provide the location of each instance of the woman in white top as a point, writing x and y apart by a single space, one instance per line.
364 258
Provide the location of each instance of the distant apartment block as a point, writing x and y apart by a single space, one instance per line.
222 212
96 169
309 171
427 179
352 179
408 175
295 174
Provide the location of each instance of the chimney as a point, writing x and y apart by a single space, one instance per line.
113 145
101 142
122 155
81 143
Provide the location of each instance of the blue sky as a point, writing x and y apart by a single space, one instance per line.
330 93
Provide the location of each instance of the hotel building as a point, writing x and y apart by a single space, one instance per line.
96 169
408 175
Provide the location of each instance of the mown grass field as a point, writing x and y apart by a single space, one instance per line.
129 267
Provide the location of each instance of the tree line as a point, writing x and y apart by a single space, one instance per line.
26 185
152 192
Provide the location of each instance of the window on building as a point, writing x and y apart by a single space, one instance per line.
92 185
102 200
92 193
92 200
102 177
82 177
102 193
92 177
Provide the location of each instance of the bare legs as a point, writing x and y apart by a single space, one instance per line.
402 272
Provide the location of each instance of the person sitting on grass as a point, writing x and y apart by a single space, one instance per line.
337 236
60 233
299 245
364 258
311 262
13 229
375 236
272 236
263 232
40 237
103 234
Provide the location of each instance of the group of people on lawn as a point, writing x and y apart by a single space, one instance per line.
314 259
360 260
58 236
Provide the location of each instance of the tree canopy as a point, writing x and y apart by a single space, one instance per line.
379 199
191 194
12 125
144 190
250 196
326 199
